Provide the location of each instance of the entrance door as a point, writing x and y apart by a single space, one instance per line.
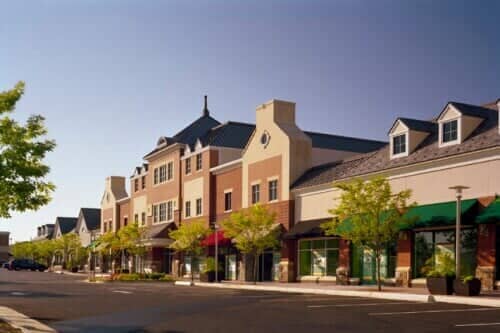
266 266
230 267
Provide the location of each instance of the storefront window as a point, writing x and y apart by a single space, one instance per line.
318 257
428 243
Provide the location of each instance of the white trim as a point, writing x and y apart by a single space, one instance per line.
163 150
458 140
256 182
229 166
195 152
158 166
407 144
228 190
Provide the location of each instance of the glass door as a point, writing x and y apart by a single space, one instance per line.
230 267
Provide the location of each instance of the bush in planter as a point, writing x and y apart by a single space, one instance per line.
468 286
440 272
208 272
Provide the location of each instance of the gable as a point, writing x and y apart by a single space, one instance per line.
449 113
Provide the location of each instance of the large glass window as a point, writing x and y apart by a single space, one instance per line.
318 257
428 243
450 131
255 193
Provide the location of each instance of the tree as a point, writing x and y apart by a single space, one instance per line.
67 246
187 239
22 150
253 231
46 251
370 215
129 239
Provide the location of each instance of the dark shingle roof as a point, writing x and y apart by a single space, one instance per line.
419 125
472 110
66 224
92 218
231 134
338 142
484 136
196 129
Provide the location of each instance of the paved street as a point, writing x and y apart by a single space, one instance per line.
68 304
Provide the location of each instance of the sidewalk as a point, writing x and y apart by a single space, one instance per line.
20 321
491 299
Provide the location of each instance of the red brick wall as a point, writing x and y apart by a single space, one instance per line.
405 246
344 253
231 179
486 246
124 212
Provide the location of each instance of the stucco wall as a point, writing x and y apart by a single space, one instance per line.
228 180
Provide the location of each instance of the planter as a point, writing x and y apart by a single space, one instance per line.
74 269
440 285
210 276
469 288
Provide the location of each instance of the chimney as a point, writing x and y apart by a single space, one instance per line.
276 111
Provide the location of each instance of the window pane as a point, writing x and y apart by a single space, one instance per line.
423 251
305 263
318 262
305 245
332 243
332 260
318 244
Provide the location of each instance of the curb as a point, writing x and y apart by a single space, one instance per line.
478 301
22 322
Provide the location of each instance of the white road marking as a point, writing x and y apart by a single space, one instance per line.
17 293
431 311
477 324
355 305
122 291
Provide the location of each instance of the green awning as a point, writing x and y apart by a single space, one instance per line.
490 214
441 214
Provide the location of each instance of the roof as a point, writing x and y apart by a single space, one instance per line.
419 125
490 214
440 214
231 134
190 133
338 142
471 110
484 136
66 224
92 218
158 231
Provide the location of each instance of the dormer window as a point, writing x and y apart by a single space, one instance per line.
399 144
450 131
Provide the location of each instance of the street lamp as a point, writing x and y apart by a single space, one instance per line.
216 227
458 192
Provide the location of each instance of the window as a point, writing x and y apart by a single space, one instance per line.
163 173
105 227
188 209
273 190
143 218
198 162
198 207
429 243
399 144
318 257
136 185
170 170
143 182
255 193
188 165
170 211
125 221
163 211
450 131
156 172
155 214
136 218
228 197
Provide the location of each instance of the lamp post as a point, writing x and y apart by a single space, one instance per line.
216 227
458 192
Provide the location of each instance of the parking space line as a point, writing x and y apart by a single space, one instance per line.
477 324
355 304
431 311
122 292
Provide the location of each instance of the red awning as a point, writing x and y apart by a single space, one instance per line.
221 240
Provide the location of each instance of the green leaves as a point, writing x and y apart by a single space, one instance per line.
22 150
189 236
252 230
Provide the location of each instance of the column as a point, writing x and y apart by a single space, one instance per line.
486 255
404 258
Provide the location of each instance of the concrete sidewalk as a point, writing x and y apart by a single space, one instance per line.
390 293
20 321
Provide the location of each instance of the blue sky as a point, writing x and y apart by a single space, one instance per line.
113 76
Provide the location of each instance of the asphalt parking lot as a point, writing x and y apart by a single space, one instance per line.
68 304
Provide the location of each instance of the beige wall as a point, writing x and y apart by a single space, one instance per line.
277 118
429 184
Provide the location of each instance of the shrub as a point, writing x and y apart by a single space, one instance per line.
167 278
128 277
154 276
440 265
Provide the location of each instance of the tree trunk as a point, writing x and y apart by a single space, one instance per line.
192 269
379 282
255 263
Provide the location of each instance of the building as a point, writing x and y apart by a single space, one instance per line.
44 232
461 146
88 225
210 169
63 226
